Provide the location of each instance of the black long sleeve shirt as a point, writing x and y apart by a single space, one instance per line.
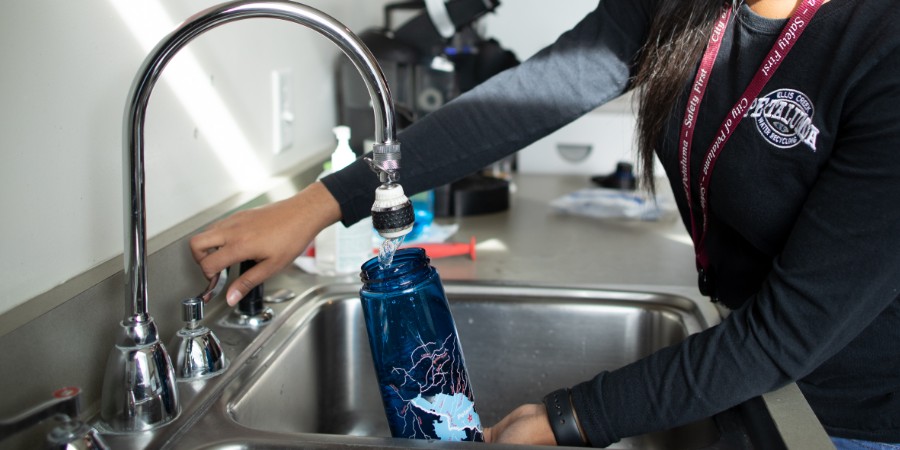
804 233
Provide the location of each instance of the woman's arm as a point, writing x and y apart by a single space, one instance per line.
586 67
273 235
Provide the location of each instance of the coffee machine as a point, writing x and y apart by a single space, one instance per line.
429 59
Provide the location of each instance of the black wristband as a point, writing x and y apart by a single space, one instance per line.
563 420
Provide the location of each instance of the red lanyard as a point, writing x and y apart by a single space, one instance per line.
796 25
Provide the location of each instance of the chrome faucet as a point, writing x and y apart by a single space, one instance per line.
68 431
139 390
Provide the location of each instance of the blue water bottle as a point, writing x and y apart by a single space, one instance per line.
418 360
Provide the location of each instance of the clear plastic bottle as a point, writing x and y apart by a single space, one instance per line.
341 250
418 358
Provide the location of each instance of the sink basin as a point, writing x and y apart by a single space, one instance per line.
519 344
306 380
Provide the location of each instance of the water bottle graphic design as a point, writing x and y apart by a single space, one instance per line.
418 359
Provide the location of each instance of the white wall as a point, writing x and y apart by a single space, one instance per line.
526 26
65 74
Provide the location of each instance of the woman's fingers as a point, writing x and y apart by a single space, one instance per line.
222 258
249 280
205 243
272 235
527 424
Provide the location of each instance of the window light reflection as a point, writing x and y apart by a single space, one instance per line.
149 23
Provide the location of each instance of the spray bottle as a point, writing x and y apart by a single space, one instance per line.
342 250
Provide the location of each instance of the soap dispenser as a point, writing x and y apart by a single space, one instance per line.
341 250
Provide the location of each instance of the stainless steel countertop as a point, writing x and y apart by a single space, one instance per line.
544 246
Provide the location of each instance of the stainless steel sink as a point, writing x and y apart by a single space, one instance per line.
307 380
519 344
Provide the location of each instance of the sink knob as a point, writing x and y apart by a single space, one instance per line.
198 351
68 431
192 310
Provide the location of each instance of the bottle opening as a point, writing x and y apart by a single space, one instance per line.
407 261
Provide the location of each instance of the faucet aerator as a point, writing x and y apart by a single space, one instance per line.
392 212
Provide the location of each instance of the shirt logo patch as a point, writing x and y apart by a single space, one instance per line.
784 118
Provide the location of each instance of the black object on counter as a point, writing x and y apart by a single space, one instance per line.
252 303
623 178
472 195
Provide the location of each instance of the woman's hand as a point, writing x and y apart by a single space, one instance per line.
527 424
272 235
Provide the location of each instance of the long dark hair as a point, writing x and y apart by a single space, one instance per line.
677 38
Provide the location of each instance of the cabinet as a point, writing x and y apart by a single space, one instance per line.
591 145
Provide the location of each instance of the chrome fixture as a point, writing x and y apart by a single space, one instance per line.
68 432
280 296
139 391
198 352
243 317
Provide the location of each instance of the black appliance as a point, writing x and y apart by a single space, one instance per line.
425 69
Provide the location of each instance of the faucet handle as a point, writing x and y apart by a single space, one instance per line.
192 311
192 308
216 284
73 434
64 407
198 352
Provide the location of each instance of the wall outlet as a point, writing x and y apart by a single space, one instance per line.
282 110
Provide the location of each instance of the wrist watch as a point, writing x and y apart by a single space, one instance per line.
563 420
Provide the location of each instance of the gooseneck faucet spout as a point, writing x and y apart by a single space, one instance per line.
139 390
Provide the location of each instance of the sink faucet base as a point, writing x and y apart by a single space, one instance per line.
140 378
239 320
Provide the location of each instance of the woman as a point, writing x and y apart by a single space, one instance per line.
778 127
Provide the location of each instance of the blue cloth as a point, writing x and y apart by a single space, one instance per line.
855 444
